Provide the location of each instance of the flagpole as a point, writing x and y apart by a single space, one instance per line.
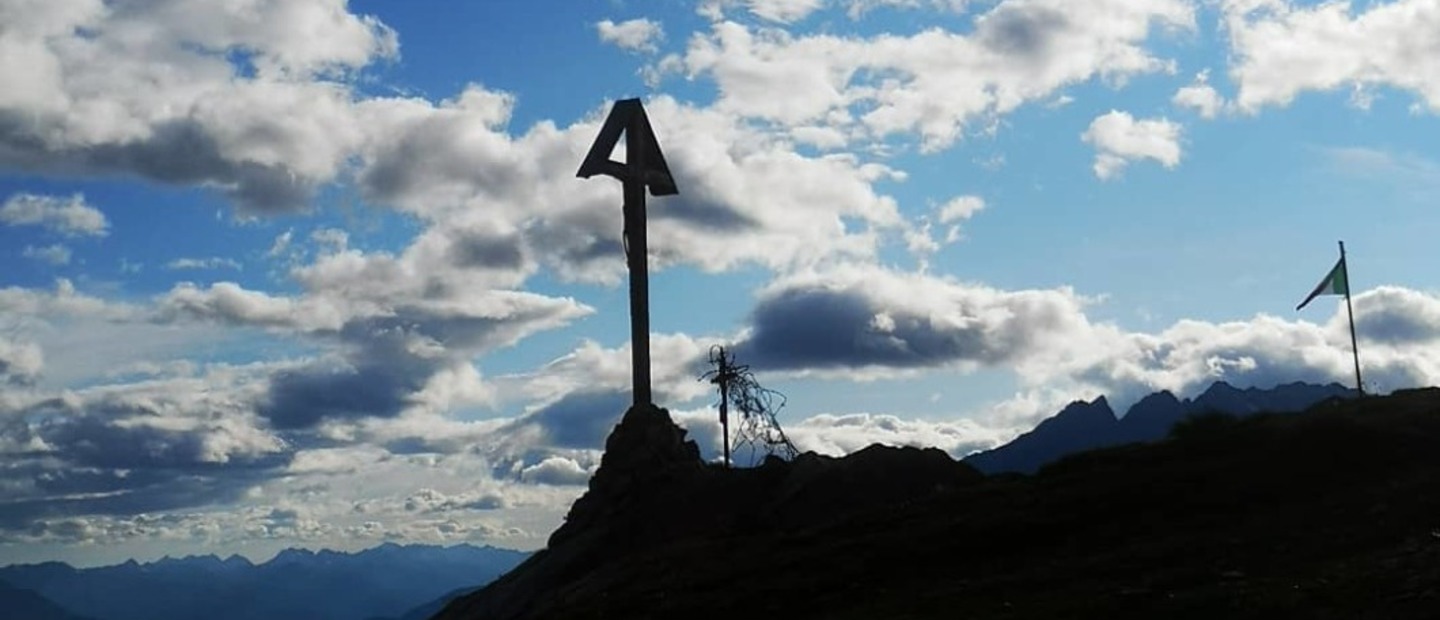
1350 312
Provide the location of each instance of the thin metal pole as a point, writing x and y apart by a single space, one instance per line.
725 406
637 255
1350 312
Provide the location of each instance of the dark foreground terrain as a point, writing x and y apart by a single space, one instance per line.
1331 513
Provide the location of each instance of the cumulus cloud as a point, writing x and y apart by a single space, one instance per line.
1393 315
401 332
1396 351
229 303
556 470
503 205
1120 139
70 216
935 83
871 318
1201 97
866 322
270 114
638 35
390 360
248 99
1281 49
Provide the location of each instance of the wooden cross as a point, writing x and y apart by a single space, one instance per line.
644 167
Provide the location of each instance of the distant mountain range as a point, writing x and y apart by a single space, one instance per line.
388 581
1086 426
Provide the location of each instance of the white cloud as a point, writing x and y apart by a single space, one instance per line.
20 362
227 302
957 210
838 435
960 208
1119 139
248 98
1281 49
212 262
864 322
503 205
639 35
55 254
781 11
555 470
63 302
935 83
1201 97
676 361
70 216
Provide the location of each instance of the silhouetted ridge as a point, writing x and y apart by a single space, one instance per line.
1151 418
1078 427
1086 426
1325 514
652 492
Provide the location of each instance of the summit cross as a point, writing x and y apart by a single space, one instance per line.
644 168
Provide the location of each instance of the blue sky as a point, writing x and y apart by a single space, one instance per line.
320 273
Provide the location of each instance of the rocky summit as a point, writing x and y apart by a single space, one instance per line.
653 493
1329 513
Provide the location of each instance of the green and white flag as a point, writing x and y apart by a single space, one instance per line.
1335 283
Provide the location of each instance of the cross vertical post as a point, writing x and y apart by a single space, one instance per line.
637 255
644 168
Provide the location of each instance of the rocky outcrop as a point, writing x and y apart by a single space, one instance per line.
653 491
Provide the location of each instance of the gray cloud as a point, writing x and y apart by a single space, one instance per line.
859 318
390 359
1393 315
180 152
303 398
145 448
580 419
1028 31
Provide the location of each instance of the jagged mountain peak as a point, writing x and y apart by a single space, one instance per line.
1084 425
1082 412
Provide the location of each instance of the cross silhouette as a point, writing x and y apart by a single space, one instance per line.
644 168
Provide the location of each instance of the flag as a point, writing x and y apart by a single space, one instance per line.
1335 283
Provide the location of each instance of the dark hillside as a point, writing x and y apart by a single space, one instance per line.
1333 513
